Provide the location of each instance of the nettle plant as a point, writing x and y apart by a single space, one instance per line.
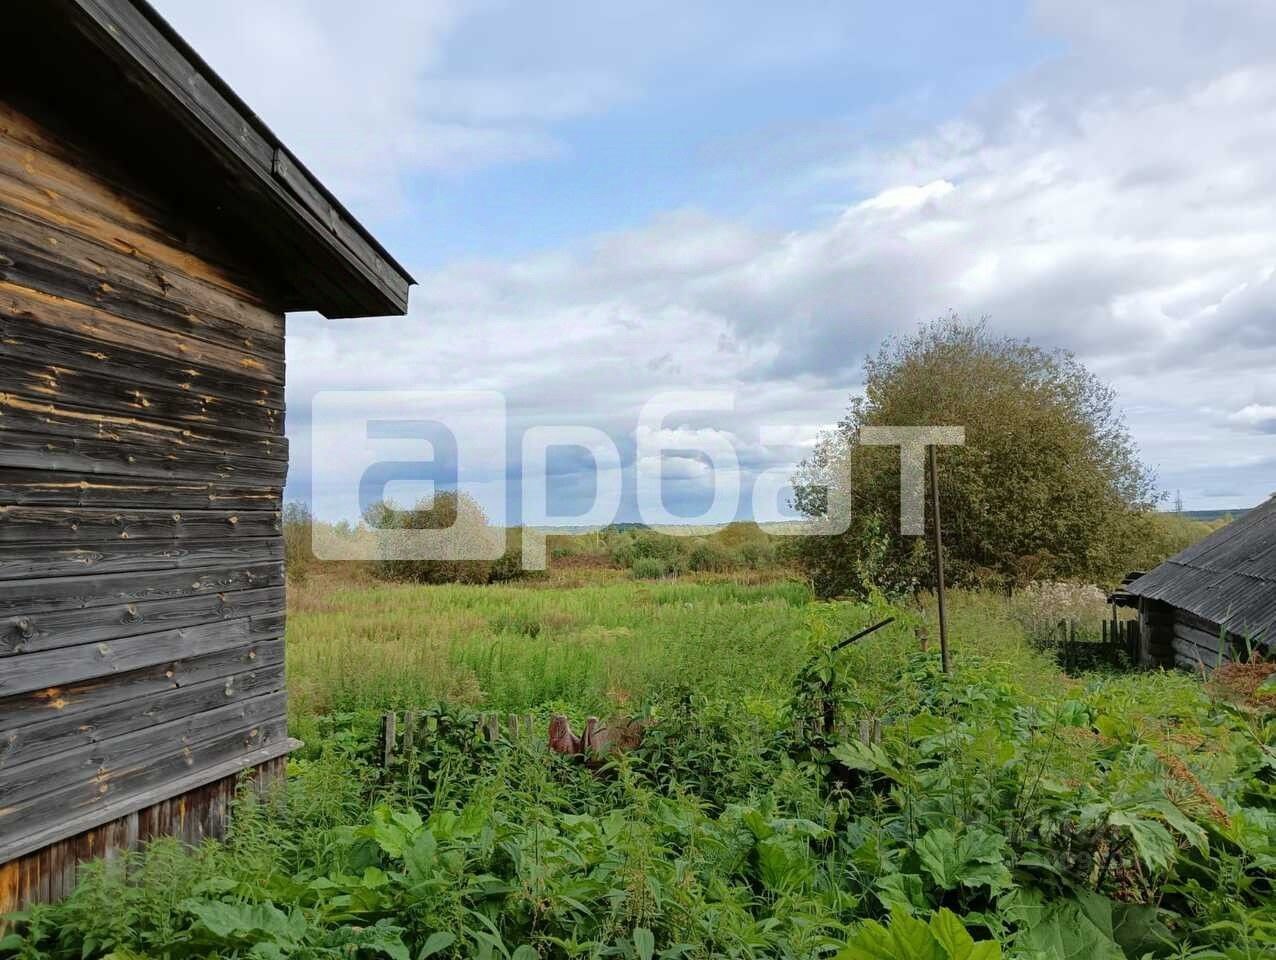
1066 827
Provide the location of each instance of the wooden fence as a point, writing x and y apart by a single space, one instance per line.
1116 645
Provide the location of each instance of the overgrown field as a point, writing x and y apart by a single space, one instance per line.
1007 810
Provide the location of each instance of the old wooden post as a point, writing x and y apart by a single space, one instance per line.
387 756
939 562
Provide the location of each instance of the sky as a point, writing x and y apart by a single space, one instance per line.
605 204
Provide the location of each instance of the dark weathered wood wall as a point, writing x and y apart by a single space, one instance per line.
1172 636
50 873
1199 644
142 461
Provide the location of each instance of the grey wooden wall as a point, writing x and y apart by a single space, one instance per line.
142 461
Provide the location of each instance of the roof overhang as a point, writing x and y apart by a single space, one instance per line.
325 259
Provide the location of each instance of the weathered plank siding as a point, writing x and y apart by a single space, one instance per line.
1199 644
142 462
50 873
1172 636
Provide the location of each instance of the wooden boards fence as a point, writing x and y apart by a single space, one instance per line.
1116 645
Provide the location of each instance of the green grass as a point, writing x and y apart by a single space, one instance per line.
514 648
597 647
1111 817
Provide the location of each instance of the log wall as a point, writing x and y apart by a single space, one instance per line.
142 463
1174 637
50 873
1199 644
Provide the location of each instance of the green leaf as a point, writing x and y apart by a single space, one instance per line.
245 920
1153 842
1138 929
1078 929
436 943
784 864
865 757
644 943
951 934
976 859
1182 823
524 952
903 891
419 857
905 939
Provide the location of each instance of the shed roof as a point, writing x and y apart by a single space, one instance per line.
1229 578
118 67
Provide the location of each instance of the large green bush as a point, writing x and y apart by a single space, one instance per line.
462 539
1048 483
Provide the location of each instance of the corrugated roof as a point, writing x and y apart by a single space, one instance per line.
1229 578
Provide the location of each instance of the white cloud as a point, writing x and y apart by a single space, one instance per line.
1255 416
1100 203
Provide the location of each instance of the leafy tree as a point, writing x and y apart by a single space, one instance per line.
1048 484
298 522
464 536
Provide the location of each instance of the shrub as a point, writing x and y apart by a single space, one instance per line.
1041 607
649 568
1048 478
462 535
759 555
645 544
707 557
298 554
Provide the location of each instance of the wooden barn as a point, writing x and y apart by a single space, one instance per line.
153 232
1215 601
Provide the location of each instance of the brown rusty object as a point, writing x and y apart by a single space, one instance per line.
599 742
561 738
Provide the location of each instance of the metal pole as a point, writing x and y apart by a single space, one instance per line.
939 562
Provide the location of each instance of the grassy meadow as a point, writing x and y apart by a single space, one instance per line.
1008 810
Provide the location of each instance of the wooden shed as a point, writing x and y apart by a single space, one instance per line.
153 232
1213 602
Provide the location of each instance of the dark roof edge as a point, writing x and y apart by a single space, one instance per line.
138 31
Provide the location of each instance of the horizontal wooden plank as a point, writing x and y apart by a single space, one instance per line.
52 178
78 701
1194 661
23 303
138 279
141 435
173 404
60 733
72 810
56 488
67 628
42 451
22 264
102 758
88 525
1190 637
53 668
22 598
23 561
54 351
271 624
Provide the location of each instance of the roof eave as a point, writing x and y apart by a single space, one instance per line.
156 58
